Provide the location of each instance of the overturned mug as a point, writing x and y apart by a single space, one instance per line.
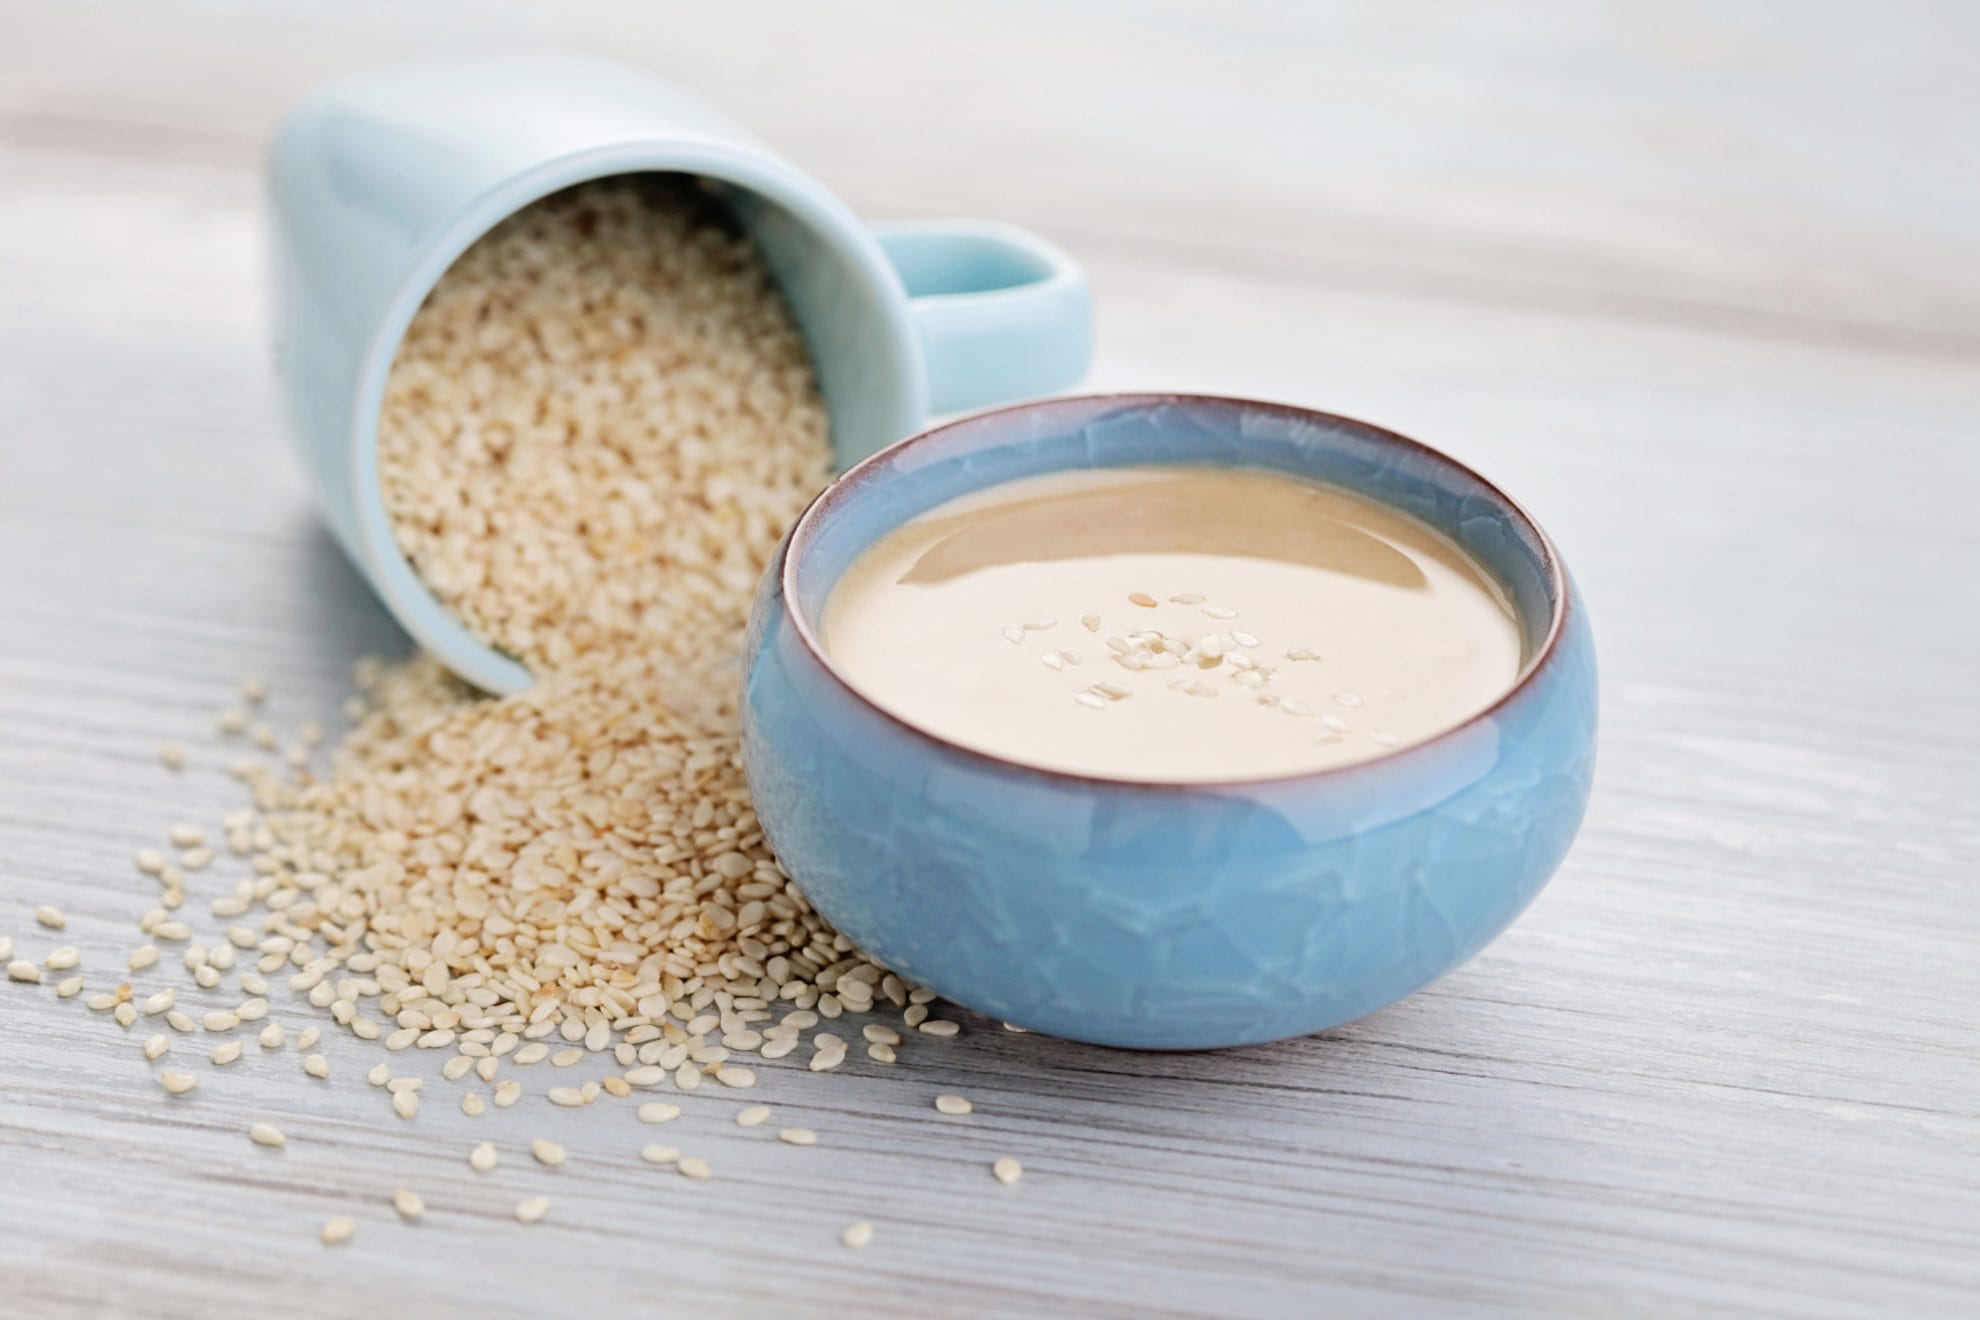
380 183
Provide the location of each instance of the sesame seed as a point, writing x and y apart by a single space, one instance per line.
220 1021
150 861
1040 625
1091 622
226 1054
1188 598
266 1134
1142 599
172 756
483 1157
156 1047
51 917
62 959
1013 634
125 1013
547 1152
1301 653
1348 699
692 1167
507 1094
753 1116
953 1104
857 1235
566 1058
1091 700
177 1083
379 1075
409 1205
797 1136
939 1027
272 1036
1007 1170
318 1066
659 1111
1220 611
69 988
1052 660
22 970
254 691
532 1210
657 1154
180 1021
307 1037
405 1104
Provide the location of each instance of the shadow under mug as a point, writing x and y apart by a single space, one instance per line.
380 183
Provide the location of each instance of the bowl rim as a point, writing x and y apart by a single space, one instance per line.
871 468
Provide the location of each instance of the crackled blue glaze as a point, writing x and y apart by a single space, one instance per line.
379 183
1165 916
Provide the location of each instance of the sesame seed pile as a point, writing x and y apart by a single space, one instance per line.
597 429
599 425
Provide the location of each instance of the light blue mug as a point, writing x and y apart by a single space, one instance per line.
380 183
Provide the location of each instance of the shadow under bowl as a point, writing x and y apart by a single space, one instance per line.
1165 915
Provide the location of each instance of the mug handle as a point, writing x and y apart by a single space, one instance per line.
1001 313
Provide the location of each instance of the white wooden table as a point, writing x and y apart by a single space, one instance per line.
1701 284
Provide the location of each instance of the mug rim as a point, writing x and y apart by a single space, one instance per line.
411 602
869 469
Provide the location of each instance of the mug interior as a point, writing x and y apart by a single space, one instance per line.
843 293
1056 435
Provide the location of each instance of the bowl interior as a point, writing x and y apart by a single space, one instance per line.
1132 430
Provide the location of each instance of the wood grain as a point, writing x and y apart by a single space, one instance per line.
1700 284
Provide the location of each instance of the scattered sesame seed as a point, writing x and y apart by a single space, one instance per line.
657 1154
405 1103
22 970
797 1136
953 1104
548 1152
1040 625
1188 598
1091 700
307 1037
1347 699
254 690
220 1021
409 1205
69 988
156 1047
177 1083
692 1167
62 959
1052 660
568 1096
318 1066
659 1111
226 1054
172 756
939 1027
857 1235
51 917
1007 1170
1142 599
1013 634
272 1036
753 1116
1220 611
473 1105
1091 622
266 1134
532 1210
483 1157
337 1231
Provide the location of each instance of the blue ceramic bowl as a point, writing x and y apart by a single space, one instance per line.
1165 916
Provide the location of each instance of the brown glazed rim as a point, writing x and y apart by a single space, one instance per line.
872 468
